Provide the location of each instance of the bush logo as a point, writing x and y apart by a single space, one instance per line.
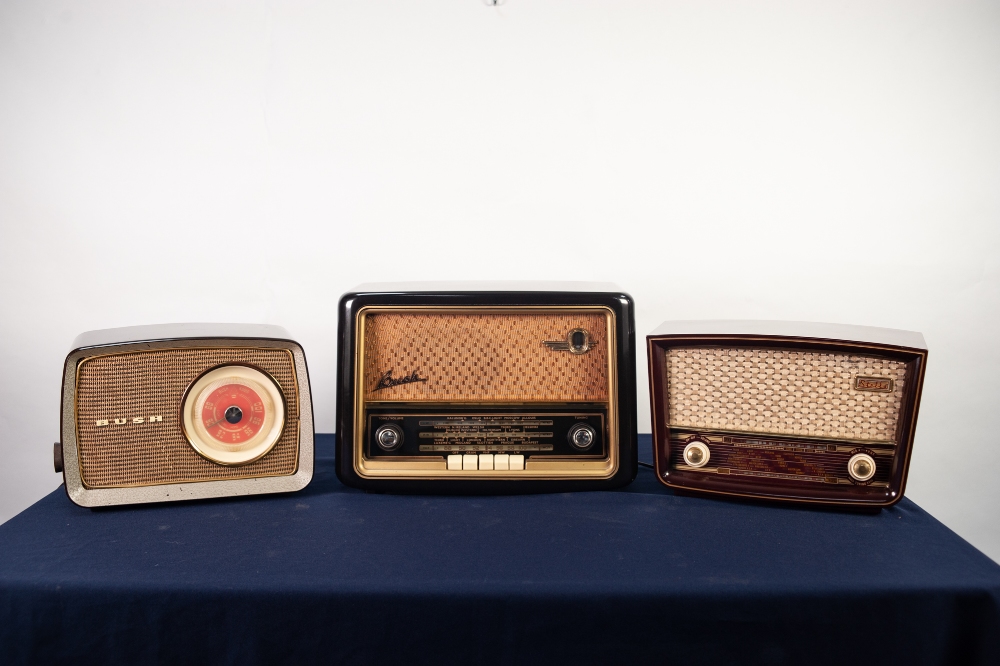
388 381
137 419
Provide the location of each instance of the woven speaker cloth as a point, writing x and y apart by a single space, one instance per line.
152 383
782 392
484 357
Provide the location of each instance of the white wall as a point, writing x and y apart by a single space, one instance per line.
214 161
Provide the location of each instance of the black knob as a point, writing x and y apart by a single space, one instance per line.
389 437
581 436
57 456
234 414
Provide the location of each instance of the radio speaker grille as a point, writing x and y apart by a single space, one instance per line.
485 357
152 383
783 392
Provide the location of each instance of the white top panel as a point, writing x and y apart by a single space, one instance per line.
472 286
798 329
127 334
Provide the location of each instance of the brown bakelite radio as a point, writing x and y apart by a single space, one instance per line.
184 411
785 411
456 389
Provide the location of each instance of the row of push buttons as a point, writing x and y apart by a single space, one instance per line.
486 461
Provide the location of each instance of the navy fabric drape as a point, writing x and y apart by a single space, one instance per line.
336 575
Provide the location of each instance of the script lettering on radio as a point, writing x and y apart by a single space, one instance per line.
878 384
388 381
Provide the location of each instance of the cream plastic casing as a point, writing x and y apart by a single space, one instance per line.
175 336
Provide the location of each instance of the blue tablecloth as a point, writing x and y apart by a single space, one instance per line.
337 575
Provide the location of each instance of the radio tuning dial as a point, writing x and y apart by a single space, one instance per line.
233 414
581 436
696 454
389 437
861 467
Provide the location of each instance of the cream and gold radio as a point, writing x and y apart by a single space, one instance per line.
458 390
817 413
184 411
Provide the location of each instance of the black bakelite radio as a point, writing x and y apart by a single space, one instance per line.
451 388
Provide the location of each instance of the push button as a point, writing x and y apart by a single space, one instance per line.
517 462
501 461
485 461
469 461
455 462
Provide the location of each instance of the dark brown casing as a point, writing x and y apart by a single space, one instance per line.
778 408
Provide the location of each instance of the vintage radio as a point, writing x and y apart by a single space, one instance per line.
184 411
450 389
788 411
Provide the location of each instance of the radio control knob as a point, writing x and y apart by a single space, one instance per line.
389 437
581 436
861 467
696 454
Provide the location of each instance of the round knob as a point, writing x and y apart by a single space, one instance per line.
861 467
696 454
389 437
234 414
581 436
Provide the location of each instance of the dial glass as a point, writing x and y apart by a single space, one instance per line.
233 414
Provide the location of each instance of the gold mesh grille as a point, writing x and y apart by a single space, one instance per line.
152 383
783 392
485 357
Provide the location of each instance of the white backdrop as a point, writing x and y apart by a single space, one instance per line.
249 161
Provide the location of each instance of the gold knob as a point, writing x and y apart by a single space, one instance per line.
861 467
696 454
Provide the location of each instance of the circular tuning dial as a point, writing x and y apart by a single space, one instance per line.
861 467
581 436
233 414
696 453
389 437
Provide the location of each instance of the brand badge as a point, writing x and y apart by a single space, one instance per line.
388 381
877 384
577 342
137 419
